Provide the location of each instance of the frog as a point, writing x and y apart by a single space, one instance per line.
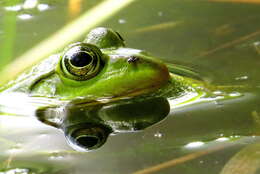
92 86
101 68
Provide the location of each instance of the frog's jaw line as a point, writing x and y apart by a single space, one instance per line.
137 92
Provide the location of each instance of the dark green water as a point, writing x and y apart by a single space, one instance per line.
220 40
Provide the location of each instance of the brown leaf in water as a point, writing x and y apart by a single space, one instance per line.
246 161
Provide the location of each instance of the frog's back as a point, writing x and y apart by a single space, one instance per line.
24 81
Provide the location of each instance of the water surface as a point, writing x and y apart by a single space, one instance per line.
221 40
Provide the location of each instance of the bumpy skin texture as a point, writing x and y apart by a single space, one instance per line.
123 72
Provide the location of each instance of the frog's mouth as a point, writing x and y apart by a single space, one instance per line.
152 91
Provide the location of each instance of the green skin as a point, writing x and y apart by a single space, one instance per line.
121 72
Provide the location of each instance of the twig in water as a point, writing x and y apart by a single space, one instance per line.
230 44
180 160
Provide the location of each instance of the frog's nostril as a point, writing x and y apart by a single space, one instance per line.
132 59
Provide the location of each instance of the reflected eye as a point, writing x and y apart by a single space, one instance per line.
81 61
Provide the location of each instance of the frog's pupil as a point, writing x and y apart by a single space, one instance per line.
80 59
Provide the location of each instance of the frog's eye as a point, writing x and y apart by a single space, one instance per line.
81 61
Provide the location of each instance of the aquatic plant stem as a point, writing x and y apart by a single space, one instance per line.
63 37
9 30
229 44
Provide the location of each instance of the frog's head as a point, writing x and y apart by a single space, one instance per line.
101 67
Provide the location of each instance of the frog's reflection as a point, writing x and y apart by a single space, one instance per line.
87 127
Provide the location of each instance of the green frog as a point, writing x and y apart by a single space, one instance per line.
94 85
101 68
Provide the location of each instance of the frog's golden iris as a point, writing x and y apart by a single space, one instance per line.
81 61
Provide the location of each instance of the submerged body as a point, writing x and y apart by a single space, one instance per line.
99 68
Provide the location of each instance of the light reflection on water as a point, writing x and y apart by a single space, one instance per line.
27 5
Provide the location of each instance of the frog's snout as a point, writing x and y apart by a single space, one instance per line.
149 73
160 71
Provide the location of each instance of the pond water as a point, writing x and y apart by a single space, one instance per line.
220 39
